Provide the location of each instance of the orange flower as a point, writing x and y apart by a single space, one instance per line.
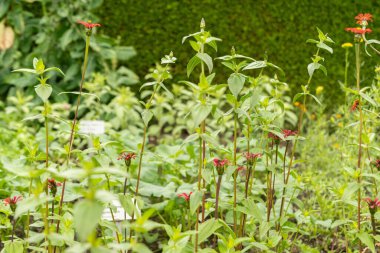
358 30
360 18
88 25
355 105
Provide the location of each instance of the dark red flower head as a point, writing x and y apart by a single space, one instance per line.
376 163
185 196
372 204
251 157
220 165
12 202
88 25
240 168
363 19
358 30
52 184
287 133
355 105
127 157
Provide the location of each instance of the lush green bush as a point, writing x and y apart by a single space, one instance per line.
278 29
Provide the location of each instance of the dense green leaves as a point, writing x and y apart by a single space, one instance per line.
87 214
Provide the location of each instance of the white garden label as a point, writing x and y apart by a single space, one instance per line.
95 127
118 214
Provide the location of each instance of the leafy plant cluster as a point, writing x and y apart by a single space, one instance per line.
201 166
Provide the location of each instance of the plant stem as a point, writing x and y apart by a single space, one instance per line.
373 223
72 134
357 56
217 196
46 221
125 213
235 177
203 127
28 217
113 217
199 188
13 228
283 189
138 176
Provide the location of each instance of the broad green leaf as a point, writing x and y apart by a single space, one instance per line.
325 47
54 69
87 214
44 91
195 201
194 61
207 228
195 45
28 204
13 247
236 83
146 116
206 59
256 65
367 240
314 66
200 113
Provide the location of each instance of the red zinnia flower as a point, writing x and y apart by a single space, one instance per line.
127 157
287 133
12 202
355 105
358 30
88 25
372 204
363 17
220 164
252 157
185 196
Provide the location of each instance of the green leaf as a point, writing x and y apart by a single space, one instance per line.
28 204
236 83
13 247
195 201
206 59
325 47
146 116
54 69
200 113
44 91
25 70
314 66
194 61
368 98
207 228
367 240
256 65
87 214
195 45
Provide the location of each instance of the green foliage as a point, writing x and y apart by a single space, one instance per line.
277 29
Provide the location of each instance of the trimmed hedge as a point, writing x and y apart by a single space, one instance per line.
276 28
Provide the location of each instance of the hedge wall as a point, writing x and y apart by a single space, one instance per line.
276 28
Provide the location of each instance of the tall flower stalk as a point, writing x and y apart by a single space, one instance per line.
160 74
89 26
202 109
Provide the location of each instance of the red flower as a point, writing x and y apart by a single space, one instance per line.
376 163
220 164
287 133
12 202
88 25
241 168
372 204
127 157
185 196
358 30
52 184
363 18
355 105
273 136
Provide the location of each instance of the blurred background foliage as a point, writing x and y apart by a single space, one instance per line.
278 29
274 29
